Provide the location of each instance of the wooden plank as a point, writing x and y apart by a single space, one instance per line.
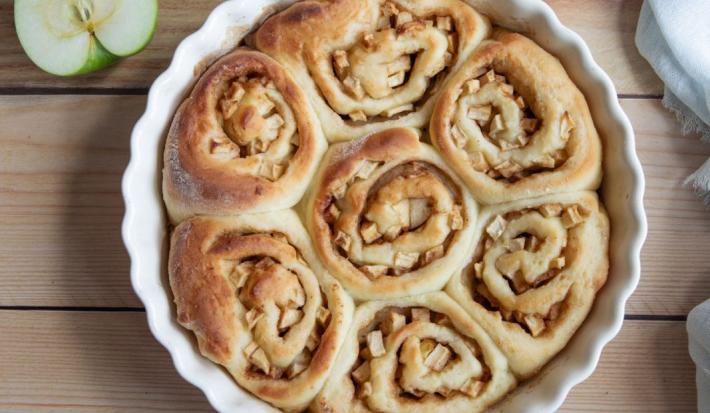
61 161
674 263
87 362
60 204
608 27
610 39
108 362
646 368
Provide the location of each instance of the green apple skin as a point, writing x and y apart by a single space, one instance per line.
126 31
97 59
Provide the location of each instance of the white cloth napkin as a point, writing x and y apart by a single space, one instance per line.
699 347
674 36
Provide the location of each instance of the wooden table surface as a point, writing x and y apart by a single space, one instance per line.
73 336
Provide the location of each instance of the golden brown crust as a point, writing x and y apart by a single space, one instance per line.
531 298
469 375
203 298
559 151
403 218
259 302
211 169
375 64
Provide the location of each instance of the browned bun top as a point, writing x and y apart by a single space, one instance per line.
244 141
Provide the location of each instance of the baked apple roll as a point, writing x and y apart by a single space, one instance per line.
246 140
513 125
388 217
252 290
367 65
533 276
415 354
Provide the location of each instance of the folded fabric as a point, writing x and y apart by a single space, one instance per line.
699 347
674 36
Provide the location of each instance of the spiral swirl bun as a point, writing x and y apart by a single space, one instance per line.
388 218
246 140
260 304
376 64
513 124
417 354
534 274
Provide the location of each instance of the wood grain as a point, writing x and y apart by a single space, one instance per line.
608 27
61 161
107 362
674 262
610 39
645 369
61 207
86 362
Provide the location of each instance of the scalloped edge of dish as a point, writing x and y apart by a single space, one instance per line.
144 224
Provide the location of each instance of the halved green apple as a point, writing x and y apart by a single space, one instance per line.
71 37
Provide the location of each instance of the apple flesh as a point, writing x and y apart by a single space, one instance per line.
71 37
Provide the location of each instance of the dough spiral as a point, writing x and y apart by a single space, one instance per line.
260 304
246 140
387 216
513 125
534 274
415 354
375 64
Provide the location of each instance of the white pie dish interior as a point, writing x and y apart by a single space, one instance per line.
145 226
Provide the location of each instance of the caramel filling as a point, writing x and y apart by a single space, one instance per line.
430 358
391 222
392 68
284 308
260 133
522 251
499 132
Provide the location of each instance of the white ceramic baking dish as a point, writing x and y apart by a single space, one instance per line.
144 225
